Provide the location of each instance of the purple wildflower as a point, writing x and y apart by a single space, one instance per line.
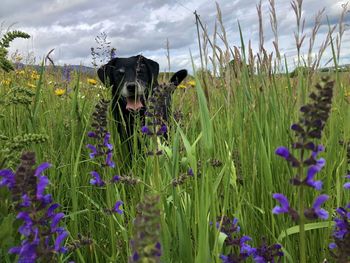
94 151
26 201
96 180
109 161
162 130
42 183
8 178
58 242
340 248
106 141
115 179
312 172
91 134
265 253
285 207
285 153
116 207
316 211
231 229
347 185
145 130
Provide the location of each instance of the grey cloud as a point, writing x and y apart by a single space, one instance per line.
135 26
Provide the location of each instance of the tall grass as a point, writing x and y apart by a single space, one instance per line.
249 115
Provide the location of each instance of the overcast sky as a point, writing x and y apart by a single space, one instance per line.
134 27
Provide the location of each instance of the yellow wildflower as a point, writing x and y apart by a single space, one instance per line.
34 75
20 72
6 82
60 92
30 85
181 86
191 83
347 94
92 81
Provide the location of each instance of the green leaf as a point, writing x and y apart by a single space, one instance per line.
311 226
6 233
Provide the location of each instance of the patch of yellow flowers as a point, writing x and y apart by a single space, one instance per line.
92 81
188 84
60 92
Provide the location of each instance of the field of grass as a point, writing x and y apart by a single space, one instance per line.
219 163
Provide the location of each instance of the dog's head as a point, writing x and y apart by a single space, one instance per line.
131 79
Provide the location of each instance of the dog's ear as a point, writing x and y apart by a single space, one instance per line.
153 68
178 77
105 72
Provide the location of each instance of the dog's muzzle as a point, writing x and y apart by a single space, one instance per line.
133 91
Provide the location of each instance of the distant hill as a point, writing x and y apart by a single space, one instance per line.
79 68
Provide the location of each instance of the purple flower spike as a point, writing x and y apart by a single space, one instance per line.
283 152
117 207
96 180
284 208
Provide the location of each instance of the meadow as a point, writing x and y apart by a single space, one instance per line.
205 195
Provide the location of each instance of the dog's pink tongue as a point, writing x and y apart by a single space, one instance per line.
133 104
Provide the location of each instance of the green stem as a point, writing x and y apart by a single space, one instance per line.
302 239
109 193
156 177
302 226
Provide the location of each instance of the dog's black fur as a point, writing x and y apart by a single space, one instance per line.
132 80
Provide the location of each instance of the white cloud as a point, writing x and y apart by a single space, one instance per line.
133 26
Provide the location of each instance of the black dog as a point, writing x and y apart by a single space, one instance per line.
132 80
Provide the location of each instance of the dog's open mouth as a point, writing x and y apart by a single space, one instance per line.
133 103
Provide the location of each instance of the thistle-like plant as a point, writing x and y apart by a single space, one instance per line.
103 52
309 129
5 64
13 147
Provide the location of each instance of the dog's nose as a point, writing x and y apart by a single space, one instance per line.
131 87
